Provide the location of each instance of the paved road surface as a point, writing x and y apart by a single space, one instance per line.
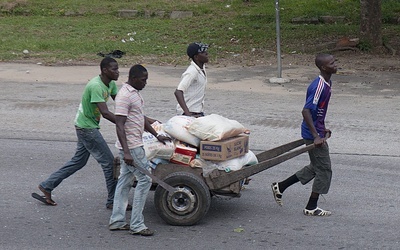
37 107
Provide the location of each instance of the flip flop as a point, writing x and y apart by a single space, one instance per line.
46 198
43 199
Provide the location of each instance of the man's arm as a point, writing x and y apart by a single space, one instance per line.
181 102
107 114
151 120
148 127
120 127
310 124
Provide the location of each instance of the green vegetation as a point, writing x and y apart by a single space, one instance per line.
74 31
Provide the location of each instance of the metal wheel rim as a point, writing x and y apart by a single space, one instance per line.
182 201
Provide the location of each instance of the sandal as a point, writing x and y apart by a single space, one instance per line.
317 212
277 194
144 232
46 198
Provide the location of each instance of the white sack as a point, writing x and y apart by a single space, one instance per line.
154 148
215 127
177 128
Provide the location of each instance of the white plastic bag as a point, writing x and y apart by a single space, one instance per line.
207 166
237 163
177 128
215 127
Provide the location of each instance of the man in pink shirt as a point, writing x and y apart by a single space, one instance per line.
130 124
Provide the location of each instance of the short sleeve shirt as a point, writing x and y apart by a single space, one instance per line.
193 85
317 100
88 115
129 103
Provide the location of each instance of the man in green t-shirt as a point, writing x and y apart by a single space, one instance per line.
90 140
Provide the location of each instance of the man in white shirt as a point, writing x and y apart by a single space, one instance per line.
191 89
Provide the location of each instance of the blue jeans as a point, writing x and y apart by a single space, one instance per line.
90 142
125 182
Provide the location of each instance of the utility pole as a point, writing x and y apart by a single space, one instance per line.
278 38
279 78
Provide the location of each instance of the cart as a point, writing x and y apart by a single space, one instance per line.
191 198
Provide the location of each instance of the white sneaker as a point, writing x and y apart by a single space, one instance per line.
277 193
317 212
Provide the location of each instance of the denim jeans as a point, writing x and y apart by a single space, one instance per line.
125 182
90 142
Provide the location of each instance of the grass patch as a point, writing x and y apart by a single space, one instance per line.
72 31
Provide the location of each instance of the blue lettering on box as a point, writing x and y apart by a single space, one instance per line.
215 148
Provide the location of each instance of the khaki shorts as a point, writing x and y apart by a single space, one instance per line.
319 169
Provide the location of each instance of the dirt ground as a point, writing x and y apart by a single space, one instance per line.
349 60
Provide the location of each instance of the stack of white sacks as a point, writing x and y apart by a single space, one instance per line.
188 132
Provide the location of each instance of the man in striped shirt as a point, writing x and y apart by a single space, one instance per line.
313 131
130 124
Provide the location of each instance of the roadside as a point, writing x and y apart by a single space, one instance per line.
361 73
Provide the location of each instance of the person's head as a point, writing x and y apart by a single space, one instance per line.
138 77
109 68
198 52
326 64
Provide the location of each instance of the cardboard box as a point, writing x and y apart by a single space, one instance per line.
224 149
183 155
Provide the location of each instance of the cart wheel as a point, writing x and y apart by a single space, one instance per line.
188 204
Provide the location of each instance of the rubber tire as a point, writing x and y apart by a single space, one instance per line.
197 188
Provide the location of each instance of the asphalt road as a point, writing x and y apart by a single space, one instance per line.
37 137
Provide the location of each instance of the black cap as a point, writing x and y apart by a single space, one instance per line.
196 48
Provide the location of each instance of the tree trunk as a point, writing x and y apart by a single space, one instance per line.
371 23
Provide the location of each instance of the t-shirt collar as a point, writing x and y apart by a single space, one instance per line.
201 71
327 83
197 66
130 88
